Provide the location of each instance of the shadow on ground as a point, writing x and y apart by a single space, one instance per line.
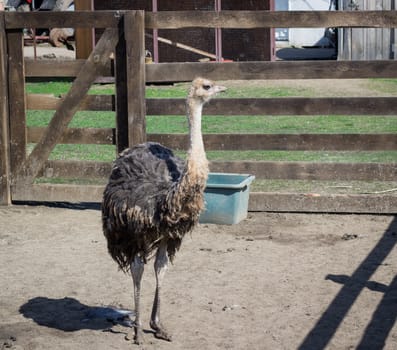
69 315
385 315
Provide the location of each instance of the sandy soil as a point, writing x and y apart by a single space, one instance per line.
274 281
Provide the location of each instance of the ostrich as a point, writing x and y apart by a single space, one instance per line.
152 199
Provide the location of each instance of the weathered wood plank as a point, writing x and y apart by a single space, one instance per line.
79 19
208 19
57 193
385 106
64 114
261 170
76 169
310 170
98 136
281 106
175 72
242 142
134 31
84 36
42 101
58 68
285 142
270 19
88 103
16 91
5 170
337 203
258 201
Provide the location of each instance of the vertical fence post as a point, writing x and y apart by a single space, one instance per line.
5 190
84 36
121 91
134 30
17 104
130 81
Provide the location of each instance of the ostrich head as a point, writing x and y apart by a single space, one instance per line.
202 90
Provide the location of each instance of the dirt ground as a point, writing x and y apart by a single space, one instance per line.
274 281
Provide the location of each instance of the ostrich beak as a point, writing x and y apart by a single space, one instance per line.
220 88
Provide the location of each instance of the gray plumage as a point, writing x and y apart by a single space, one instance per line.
135 209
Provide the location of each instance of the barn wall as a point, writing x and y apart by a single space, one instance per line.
237 45
199 38
367 43
246 45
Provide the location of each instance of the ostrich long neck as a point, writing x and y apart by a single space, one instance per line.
187 199
196 150
197 164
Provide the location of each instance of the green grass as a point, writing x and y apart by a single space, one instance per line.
175 91
107 153
305 156
384 85
82 119
56 87
98 153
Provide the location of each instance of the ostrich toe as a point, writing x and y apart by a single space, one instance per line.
160 332
136 335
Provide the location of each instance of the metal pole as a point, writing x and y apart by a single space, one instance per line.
218 34
155 36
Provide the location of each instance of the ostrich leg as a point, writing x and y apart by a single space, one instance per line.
137 268
160 267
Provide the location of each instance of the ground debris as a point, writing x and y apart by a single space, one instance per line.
348 236
232 307
9 343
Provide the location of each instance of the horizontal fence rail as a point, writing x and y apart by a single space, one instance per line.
385 106
208 19
171 72
284 142
270 19
282 106
238 142
75 19
272 70
262 170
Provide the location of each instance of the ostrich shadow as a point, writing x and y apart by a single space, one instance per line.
69 315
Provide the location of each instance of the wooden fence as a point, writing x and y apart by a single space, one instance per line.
125 36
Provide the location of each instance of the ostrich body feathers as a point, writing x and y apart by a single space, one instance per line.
151 196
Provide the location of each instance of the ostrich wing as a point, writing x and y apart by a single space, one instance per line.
134 199
141 178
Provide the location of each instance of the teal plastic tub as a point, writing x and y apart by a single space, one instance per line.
226 198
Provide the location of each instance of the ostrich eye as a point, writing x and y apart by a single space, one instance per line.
206 87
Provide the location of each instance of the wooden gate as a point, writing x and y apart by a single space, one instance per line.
125 36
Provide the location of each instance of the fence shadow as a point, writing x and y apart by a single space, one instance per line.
69 315
384 316
62 205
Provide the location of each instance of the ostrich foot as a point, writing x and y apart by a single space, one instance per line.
136 335
160 332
